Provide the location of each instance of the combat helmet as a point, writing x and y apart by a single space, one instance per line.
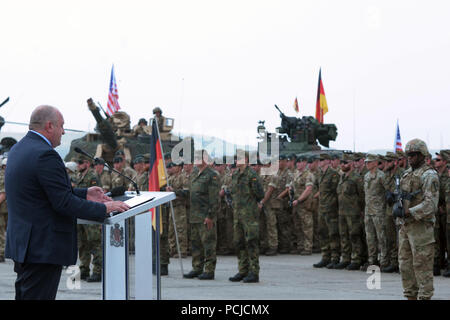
157 109
417 145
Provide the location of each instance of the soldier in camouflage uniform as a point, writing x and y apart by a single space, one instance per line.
351 199
328 215
204 187
89 236
177 184
391 172
119 181
103 176
3 214
440 262
225 244
304 190
187 170
417 219
247 191
375 211
447 201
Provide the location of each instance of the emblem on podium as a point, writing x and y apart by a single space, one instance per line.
116 238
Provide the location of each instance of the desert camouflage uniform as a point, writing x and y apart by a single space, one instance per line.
441 223
117 180
247 191
375 210
304 210
3 216
204 187
447 200
391 229
105 180
178 184
328 215
351 199
89 236
416 236
315 210
268 234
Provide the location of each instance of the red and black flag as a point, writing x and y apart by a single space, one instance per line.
321 104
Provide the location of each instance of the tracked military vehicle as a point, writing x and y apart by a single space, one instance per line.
113 133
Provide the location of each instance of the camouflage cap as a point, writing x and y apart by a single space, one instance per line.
142 120
82 157
347 157
400 154
99 161
371 157
381 157
117 159
139 159
282 157
390 156
445 154
119 153
417 145
324 156
157 109
292 156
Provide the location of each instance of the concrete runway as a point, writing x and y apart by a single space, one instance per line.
282 277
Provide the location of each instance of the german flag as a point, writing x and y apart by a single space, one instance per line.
156 174
321 104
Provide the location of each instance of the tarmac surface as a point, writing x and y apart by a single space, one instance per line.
282 277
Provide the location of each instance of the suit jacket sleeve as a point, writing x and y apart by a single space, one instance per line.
54 180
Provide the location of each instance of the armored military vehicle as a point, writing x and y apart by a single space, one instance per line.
113 133
297 135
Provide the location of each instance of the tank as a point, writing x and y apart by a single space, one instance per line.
113 133
297 135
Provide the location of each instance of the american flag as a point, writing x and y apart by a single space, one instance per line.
398 140
113 96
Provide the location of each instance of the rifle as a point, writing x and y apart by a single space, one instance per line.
399 197
291 197
228 198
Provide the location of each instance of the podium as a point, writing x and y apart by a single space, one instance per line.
115 279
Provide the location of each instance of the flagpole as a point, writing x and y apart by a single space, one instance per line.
171 206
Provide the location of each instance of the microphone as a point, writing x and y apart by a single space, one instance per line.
115 192
78 150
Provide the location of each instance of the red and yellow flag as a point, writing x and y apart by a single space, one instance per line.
296 105
156 174
321 104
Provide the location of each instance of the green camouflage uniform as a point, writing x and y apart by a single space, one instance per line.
263 225
3 216
391 229
247 191
328 215
271 208
204 187
374 218
178 183
447 201
284 213
315 210
416 235
187 179
118 181
351 198
89 236
304 211
225 243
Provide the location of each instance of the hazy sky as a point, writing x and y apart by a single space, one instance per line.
218 67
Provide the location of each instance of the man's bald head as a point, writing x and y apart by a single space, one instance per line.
49 122
41 115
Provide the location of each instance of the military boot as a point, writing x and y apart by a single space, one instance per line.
271 252
96 277
322 263
251 278
342 265
332 264
164 270
436 271
447 273
192 274
237 277
206 276
390 269
353 266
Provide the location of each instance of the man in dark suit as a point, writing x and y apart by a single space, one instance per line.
43 208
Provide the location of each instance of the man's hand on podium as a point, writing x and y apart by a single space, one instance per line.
116 207
96 194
